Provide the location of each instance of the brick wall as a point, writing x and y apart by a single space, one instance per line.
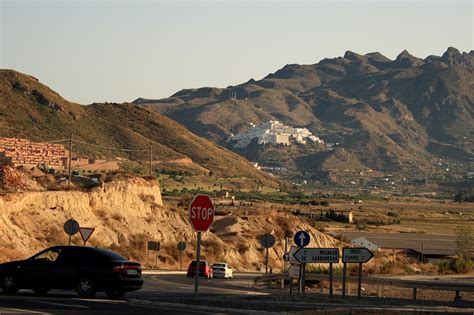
24 152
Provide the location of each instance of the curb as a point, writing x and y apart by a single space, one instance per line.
201 307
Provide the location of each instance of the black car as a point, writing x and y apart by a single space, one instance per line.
85 269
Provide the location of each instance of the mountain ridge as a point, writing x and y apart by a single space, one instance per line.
29 109
389 114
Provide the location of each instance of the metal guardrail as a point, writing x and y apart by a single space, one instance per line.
380 281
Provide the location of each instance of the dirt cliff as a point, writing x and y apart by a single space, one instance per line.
129 212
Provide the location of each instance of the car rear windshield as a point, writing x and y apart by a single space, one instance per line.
201 263
218 266
110 255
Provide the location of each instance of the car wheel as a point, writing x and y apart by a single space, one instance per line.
9 284
41 290
115 294
86 287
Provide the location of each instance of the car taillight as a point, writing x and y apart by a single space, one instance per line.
123 269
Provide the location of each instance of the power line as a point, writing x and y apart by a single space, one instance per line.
110 148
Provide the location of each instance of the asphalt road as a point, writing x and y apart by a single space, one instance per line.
169 284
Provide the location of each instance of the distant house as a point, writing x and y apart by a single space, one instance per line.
363 242
428 248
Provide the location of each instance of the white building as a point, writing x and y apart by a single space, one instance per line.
273 132
363 242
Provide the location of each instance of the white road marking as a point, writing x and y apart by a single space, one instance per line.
173 309
101 301
20 311
60 304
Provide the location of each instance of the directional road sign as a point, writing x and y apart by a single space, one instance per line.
290 256
153 246
317 255
86 233
201 213
356 255
301 238
267 240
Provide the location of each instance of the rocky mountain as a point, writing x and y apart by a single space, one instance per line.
29 109
410 116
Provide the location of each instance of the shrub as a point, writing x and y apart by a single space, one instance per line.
393 213
462 264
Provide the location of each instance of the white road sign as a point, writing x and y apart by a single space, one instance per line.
86 233
294 271
292 258
317 255
356 255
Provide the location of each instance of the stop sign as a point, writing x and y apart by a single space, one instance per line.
201 213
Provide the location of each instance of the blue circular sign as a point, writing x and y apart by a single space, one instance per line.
301 238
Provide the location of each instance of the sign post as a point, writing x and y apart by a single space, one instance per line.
71 227
201 216
355 255
319 255
267 241
153 246
294 269
181 247
302 239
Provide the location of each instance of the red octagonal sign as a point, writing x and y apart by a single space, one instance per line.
201 213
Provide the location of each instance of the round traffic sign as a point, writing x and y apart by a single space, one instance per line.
301 238
201 213
71 227
181 246
267 240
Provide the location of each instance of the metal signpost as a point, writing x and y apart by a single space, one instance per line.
201 216
153 246
267 241
86 233
354 255
301 239
181 246
294 269
319 255
71 227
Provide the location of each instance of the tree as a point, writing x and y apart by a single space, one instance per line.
464 241
464 246
459 197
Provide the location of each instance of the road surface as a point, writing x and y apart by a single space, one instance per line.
163 284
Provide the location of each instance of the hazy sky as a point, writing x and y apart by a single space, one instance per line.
95 51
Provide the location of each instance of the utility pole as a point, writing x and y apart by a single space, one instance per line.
70 159
151 159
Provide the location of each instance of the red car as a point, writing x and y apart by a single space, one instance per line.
205 270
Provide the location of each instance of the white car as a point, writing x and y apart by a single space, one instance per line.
222 270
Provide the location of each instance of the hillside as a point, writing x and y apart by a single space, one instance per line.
28 109
129 212
409 116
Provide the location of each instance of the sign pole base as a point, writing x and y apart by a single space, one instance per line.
330 280
359 288
198 265
344 270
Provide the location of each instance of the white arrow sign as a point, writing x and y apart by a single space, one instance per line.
292 258
317 255
302 238
356 255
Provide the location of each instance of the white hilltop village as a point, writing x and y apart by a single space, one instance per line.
273 132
